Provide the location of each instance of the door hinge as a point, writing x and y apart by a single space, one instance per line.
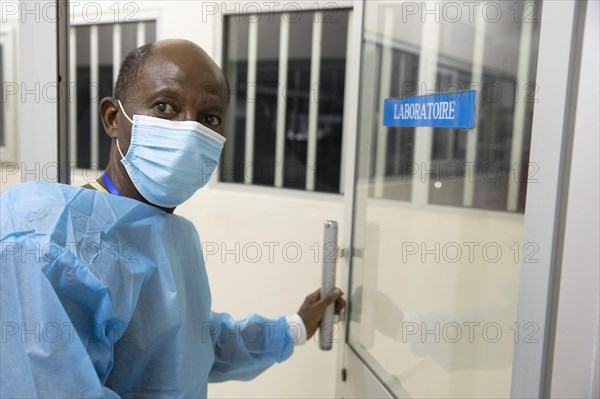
344 253
343 374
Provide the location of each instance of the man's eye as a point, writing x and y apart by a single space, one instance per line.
164 108
212 120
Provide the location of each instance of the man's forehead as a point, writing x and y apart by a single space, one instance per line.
185 70
179 68
182 74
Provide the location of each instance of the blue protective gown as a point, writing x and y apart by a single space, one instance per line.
104 296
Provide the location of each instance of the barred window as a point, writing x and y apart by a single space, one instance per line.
287 78
96 54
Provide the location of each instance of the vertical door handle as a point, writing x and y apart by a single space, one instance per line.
330 257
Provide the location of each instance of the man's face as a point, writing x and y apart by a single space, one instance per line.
178 82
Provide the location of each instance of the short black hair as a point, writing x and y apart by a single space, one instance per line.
130 69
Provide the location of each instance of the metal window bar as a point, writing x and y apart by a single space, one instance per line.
424 135
472 135
73 96
369 76
398 147
94 93
116 55
284 37
141 34
313 110
516 145
2 117
228 165
251 101
347 102
384 92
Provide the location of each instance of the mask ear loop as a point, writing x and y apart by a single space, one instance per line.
129 119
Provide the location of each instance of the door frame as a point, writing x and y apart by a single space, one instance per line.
349 168
538 288
557 79
7 37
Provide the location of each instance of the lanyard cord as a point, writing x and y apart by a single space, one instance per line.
110 185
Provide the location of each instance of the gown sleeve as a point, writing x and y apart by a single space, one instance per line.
40 339
245 348
66 295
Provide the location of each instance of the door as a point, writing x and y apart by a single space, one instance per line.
443 246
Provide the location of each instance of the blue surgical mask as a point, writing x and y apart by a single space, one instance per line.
169 161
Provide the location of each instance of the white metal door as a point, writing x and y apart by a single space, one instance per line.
450 269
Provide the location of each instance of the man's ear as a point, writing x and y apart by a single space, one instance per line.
108 111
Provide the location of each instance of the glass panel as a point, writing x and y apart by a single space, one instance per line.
236 70
331 101
84 95
438 223
104 87
129 37
265 127
298 96
150 31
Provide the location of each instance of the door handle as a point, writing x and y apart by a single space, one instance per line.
330 256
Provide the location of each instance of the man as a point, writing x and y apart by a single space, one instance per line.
104 291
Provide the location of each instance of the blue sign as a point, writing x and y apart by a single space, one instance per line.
451 110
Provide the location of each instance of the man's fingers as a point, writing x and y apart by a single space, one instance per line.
340 304
335 295
331 297
314 296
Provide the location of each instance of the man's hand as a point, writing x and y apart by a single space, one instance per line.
314 306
